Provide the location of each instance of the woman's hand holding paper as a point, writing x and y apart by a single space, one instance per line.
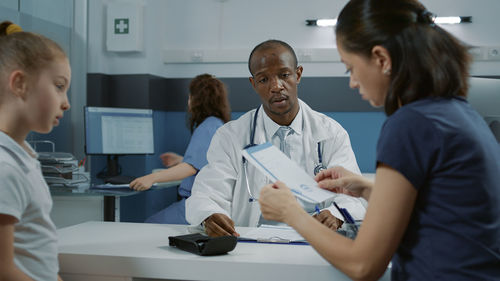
340 180
278 203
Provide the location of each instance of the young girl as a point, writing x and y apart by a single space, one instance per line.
208 107
435 204
34 79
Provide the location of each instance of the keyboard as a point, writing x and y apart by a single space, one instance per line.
119 179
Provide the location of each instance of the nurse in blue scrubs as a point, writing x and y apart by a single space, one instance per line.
208 107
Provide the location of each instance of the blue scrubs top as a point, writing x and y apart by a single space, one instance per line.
196 156
196 152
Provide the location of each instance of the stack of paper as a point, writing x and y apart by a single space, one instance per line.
61 168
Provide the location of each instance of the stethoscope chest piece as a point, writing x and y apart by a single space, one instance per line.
319 168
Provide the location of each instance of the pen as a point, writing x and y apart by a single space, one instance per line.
351 220
347 217
316 210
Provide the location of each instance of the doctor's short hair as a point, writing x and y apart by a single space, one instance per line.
426 60
208 97
271 43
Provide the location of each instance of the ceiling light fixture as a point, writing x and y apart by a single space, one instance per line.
437 20
452 20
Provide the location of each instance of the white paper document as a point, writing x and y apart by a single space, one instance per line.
110 186
272 234
113 186
277 166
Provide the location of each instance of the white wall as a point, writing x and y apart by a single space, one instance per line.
10 4
56 11
238 25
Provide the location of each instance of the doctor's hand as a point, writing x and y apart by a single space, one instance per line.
278 203
142 183
219 225
340 180
325 217
170 159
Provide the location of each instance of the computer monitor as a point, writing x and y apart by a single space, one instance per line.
484 96
118 131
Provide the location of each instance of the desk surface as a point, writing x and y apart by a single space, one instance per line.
86 191
141 250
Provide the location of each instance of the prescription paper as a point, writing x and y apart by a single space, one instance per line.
277 166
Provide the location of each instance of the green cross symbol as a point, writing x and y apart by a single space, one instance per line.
121 26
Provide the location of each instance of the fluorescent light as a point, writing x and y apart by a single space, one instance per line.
326 22
452 20
321 22
447 20
437 20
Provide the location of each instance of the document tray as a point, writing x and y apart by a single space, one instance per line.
203 245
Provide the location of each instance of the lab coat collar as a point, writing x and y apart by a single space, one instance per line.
318 133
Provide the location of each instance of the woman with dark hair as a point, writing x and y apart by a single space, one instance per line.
208 107
434 207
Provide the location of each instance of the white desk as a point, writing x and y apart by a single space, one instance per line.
119 251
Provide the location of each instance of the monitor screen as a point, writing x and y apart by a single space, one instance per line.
118 131
484 96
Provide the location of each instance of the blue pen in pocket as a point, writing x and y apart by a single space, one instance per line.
316 210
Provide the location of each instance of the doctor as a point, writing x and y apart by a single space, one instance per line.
224 191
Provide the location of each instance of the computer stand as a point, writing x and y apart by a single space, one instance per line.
113 172
112 167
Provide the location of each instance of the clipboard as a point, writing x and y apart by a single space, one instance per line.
277 166
273 234
272 241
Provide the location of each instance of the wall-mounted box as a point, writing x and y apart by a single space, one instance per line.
124 26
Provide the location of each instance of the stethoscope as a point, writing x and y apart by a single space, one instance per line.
320 167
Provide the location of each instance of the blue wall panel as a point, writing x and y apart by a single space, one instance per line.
363 129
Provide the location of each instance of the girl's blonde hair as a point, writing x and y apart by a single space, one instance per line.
27 51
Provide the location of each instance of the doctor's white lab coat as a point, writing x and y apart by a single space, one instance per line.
220 187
